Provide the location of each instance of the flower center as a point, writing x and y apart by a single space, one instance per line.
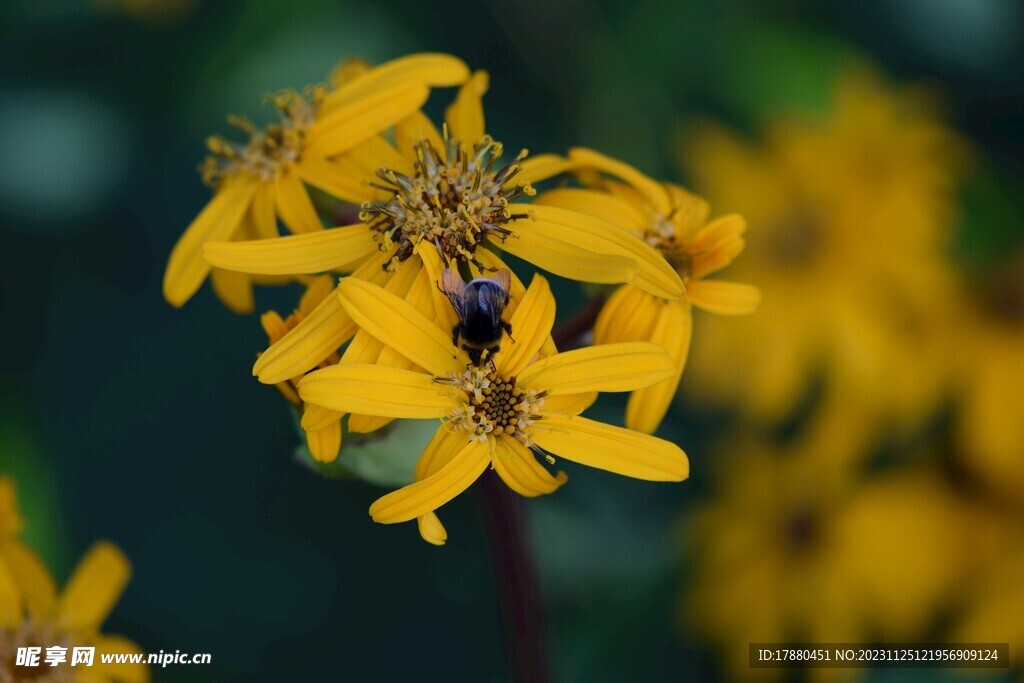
494 405
661 234
30 635
455 202
271 149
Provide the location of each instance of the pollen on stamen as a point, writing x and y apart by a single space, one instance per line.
455 200
495 406
269 150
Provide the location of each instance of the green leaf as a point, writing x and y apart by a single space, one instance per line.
386 457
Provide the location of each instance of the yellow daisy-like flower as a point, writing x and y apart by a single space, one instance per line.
796 549
437 199
33 614
498 415
674 222
265 179
849 218
324 441
989 336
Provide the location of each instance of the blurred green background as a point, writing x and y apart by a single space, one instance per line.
125 419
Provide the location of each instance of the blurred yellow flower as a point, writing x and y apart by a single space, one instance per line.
994 610
11 522
264 179
436 199
990 354
849 222
33 614
796 548
324 438
500 415
674 222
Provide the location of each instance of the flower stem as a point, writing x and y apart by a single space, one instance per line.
515 579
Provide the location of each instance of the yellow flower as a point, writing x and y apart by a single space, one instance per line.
324 439
796 549
436 199
995 606
499 415
849 219
674 222
265 179
33 614
989 337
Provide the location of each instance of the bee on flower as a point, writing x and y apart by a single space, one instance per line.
437 199
519 404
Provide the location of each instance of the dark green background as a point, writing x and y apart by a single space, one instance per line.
125 419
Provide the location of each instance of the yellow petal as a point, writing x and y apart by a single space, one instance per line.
316 417
444 313
596 204
590 234
569 404
219 220
431 530
317 252
233 289
531 243
629 315
443 446
652 190
724 228
725 298
36 585
364 424
347 70
120 673
294 205
351 124
316 291
10 598
377 390
263 213
615 449
608 367
431 69
465 116
324 443
519 469
94 589
414 129
398 325
647 407
541 167
493 263
425 496
377 153
333 178
307 345
531 326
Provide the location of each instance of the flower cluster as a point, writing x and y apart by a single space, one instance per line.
876 490
378 346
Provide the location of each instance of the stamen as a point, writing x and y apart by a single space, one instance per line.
455 202
494 406
269 150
